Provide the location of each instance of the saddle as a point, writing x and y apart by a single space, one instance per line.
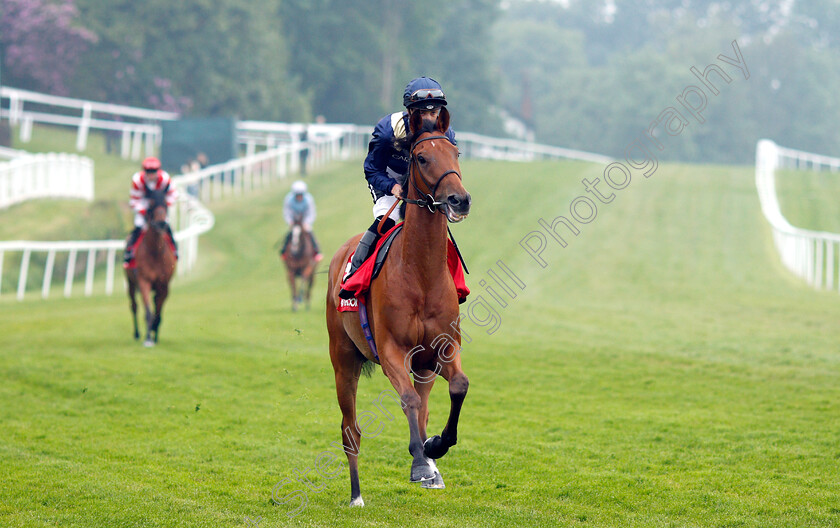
132 264
359 283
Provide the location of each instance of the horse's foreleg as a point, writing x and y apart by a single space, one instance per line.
145 294
421 467
309 281
437 446
423 389
161 293
293 287
132 291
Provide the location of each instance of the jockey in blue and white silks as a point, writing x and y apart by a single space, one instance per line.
299 204
386 164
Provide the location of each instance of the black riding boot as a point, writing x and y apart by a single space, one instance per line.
363 250
286 243
128 254
315 244
172 237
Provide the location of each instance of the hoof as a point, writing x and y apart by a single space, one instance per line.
148 343
435 483
357 502
434 447
422 471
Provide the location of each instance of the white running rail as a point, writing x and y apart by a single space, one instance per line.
485 147
10 153
189 219
260 168
52 175
139 127
810 255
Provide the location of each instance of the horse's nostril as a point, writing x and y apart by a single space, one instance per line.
453 200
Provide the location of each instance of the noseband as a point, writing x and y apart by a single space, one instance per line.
428 199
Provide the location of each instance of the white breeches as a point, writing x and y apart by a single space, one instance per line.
381 206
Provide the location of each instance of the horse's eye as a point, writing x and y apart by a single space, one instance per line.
421 159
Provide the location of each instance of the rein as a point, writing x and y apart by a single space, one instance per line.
429 201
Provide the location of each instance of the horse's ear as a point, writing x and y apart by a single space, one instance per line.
415 122
443 120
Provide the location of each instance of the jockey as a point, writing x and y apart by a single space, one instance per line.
151 178
299 203
386 164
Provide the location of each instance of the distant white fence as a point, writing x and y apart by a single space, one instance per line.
277 161
354 139
9 153
50 175
312 140
809 254
485 147
137 127
189 219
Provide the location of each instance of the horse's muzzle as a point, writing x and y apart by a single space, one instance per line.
457 207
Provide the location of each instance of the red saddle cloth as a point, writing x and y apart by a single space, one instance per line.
131 264
359 282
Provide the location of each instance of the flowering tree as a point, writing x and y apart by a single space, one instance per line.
40 43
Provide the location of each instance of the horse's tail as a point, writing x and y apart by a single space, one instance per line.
368 367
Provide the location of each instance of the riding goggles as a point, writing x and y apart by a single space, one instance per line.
427 93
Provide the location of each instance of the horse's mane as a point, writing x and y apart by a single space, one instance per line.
409 139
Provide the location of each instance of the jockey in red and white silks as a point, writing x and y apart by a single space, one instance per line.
150 178
153 178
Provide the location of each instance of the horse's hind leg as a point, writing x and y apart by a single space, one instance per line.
348 366
437 446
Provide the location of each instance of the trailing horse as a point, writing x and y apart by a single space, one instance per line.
300 263
154 266
412 307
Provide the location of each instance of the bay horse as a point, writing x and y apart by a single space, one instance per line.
155 265
300 263
412 305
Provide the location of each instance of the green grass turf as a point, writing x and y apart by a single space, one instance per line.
663 370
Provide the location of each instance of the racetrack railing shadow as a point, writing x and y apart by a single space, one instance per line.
811 255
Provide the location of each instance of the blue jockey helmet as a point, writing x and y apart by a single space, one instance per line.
423 93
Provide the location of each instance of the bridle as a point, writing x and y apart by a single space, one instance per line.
158 200
428 199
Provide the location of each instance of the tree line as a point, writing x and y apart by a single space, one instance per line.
591 75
